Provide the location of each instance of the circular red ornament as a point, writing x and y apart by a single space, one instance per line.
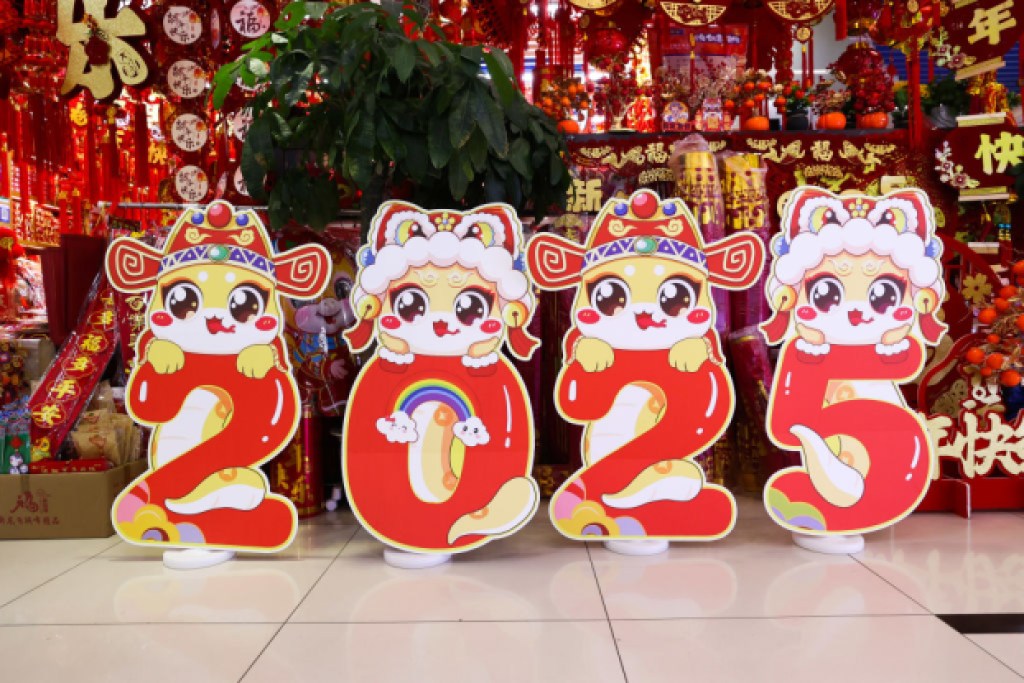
218 215
607 42
645 204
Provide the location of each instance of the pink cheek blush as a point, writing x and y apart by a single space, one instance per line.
266 323
903 313
699 316
390 322
806 313
588 316
490 326
162 319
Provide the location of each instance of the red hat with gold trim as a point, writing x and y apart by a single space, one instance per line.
218 234
640 226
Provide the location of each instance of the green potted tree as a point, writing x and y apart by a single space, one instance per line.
797 106
361 97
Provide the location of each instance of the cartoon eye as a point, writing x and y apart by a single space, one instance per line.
342 288
472 305
609 295
183 300
822 216
825 292
409 303
676 295
246 302
885 293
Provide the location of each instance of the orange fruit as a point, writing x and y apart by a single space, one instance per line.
987 316
975 355
749 86
994 339
1007 292
1019 322
566 102
1009 378
572 90
1002 305
1018 268
995 361
986 372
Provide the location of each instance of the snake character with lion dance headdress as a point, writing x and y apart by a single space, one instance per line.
643 369
213 380
438 444
855 286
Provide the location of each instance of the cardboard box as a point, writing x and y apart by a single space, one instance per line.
71 505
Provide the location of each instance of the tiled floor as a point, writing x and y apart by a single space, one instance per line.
533 607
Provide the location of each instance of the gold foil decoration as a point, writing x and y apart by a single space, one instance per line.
98 49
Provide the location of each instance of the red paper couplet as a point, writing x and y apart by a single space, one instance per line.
979 33
73 376
643 369
855 286
438 443
213 380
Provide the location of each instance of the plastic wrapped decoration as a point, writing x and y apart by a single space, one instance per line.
747 208
10 252
313 330
697 184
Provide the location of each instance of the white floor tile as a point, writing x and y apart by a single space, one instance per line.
533 575
1006 647
27 564
151 653
520 652
834 649
742 579
129 584
952 565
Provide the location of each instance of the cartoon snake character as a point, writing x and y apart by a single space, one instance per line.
855 286
213 380
438 442
314 332
643 369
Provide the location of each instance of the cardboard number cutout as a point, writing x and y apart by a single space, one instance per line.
438 443
213 380
855 286
643 369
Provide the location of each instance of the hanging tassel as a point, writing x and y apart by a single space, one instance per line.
915 115
842 23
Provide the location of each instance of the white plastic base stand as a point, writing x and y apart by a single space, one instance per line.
830 545
196 558
637 548
403 559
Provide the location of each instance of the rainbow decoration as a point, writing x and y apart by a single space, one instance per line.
424 391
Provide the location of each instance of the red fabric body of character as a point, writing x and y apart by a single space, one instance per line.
895 441
377 471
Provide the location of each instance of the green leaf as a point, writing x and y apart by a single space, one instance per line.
491 121
502 74
461 123
519 157
404 60
438 142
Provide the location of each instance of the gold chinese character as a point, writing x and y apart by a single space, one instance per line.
48 415
68 387
1008 150
106 318
97 46
822 150
585 195
991 22
81 364
91 343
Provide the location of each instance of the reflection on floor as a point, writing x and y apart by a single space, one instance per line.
936 599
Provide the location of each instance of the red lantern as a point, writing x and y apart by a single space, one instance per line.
607 42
